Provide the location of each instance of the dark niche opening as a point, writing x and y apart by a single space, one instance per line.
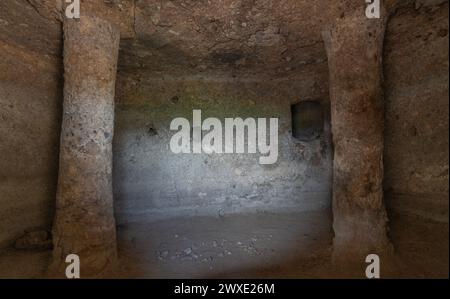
307 120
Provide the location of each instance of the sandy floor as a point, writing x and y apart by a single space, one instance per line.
296 245
222 247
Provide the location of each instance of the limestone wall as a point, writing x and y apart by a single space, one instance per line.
150 181
416 148
30 100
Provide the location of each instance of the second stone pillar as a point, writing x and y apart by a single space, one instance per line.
354 46
84 222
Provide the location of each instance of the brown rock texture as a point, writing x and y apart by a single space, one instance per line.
416 152
30 101
355 50
40 240
84 222
230 58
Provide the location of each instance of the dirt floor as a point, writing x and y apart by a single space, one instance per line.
260 245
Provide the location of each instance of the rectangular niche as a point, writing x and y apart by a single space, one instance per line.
307 120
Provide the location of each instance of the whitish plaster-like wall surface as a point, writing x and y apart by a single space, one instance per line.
152 182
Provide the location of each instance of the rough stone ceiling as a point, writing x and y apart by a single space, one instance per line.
258 35
276 37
